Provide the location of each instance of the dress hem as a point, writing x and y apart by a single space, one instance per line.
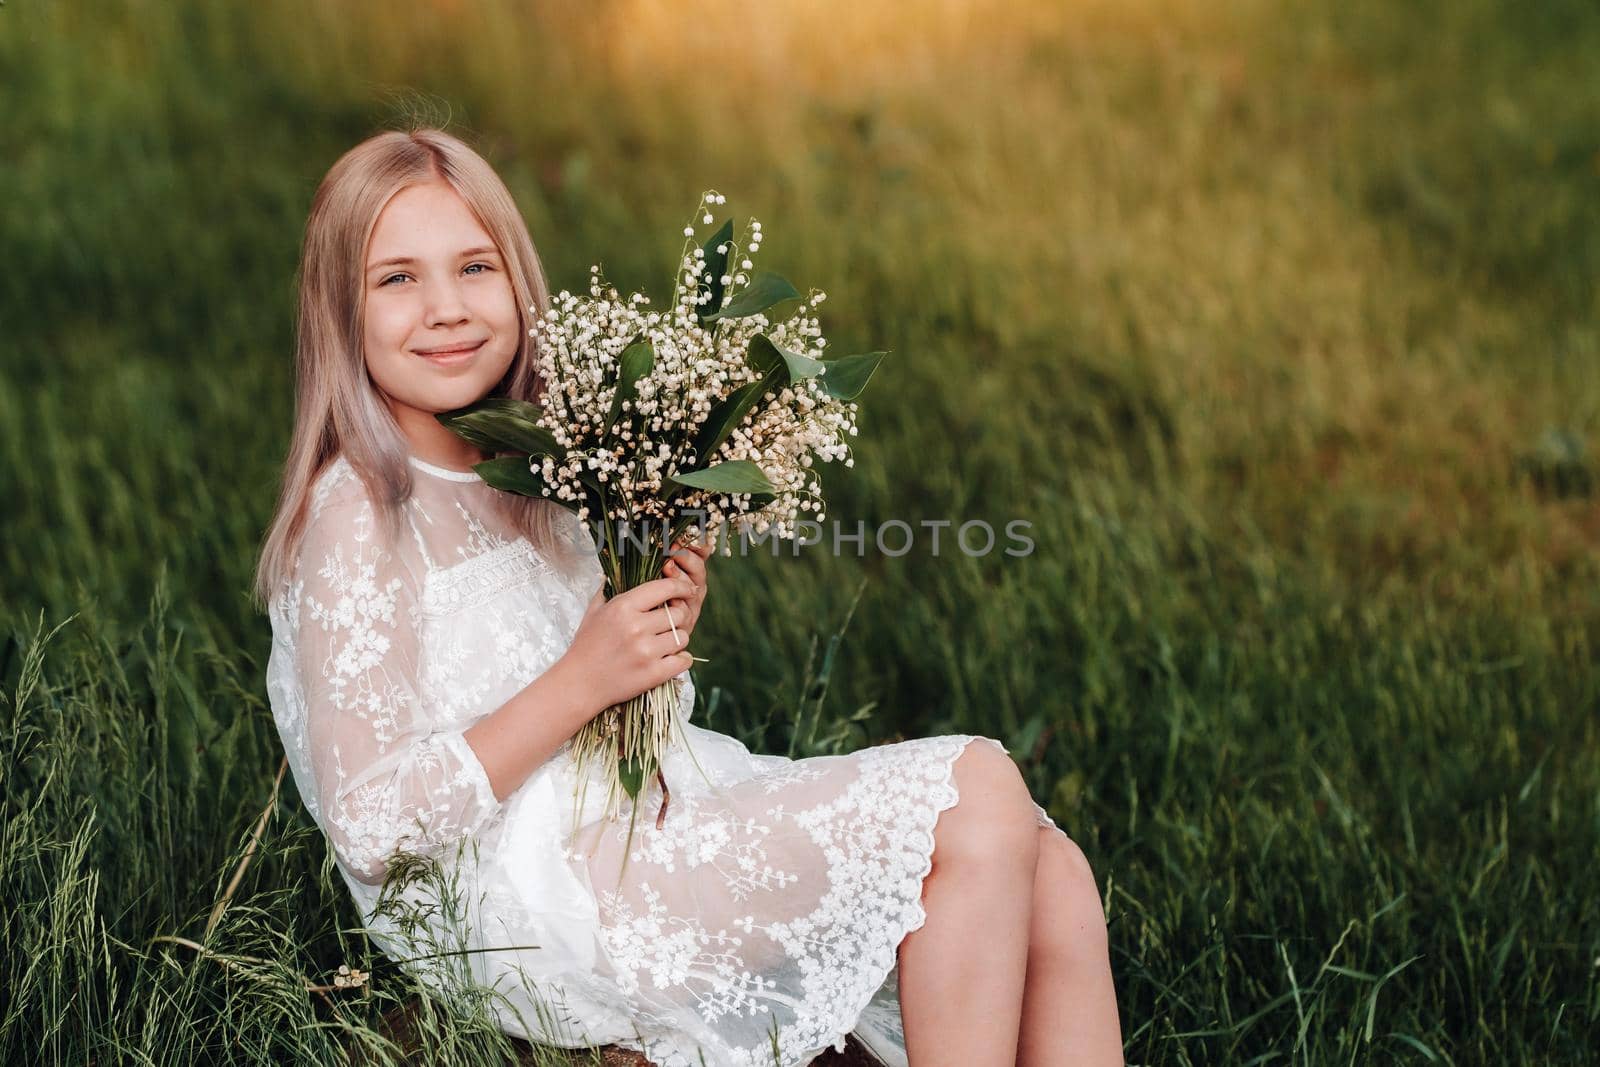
880 959
947 797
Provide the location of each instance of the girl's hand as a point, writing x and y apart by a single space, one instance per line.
688 560
624 646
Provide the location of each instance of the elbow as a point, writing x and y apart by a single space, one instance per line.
366 846
363 861
365 831
369 875
370 857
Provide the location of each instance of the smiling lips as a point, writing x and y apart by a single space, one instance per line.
449 353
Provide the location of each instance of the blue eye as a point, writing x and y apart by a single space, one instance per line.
392 277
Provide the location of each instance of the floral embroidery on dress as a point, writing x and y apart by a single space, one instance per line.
698 835
387 776
479 538
792 774
678 952
354 668
765 913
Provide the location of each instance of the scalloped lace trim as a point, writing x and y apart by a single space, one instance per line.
904 794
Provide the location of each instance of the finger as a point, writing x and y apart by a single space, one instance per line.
673 615
689 566
668 618
654 593
702 546
687 620
674 664
692 567
664 644
690 617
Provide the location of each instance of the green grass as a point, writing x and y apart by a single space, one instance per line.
1278 322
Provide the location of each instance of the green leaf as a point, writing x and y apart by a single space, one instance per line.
511 473
500 424
764 290
765 354
636 362
727 415
467 431
734 476
716 265
778 366
846 376
631 778
525 410
631 775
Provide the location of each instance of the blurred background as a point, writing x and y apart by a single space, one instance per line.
1279 323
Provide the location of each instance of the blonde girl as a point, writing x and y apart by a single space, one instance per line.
437 643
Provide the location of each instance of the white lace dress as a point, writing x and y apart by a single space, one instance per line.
764 916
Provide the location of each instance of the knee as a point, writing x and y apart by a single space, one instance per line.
1065 877
1073 862
993 820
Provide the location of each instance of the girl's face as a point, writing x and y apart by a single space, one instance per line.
441 324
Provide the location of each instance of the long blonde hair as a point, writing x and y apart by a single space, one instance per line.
337 409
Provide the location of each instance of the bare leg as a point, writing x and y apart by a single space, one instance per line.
961 974
1069 1008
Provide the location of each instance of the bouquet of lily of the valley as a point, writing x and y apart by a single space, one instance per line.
706 416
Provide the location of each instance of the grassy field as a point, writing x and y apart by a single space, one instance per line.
1279 322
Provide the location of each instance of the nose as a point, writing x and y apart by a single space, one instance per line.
444 305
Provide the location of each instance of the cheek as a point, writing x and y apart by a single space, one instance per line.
387 329
497 309
500 308
387 324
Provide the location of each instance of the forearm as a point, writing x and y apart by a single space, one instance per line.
516 738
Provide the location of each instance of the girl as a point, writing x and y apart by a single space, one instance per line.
436 643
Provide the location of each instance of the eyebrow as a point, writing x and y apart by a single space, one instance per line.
406 261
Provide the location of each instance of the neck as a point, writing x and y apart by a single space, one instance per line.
433 443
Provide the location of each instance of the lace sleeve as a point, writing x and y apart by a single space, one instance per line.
386 779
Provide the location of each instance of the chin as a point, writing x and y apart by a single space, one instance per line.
459 395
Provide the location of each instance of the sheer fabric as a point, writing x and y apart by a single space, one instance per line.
758 925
